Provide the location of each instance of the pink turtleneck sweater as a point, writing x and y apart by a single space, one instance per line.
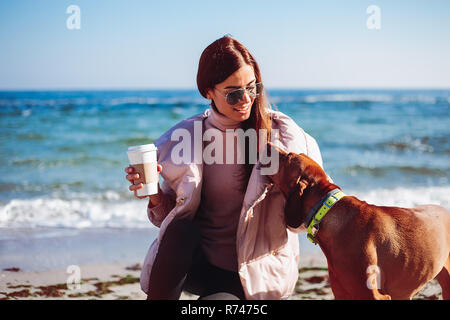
221 203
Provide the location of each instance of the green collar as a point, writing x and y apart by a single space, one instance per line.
325 205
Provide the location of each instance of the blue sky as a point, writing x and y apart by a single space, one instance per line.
157 44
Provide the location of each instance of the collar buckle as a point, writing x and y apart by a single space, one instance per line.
312 233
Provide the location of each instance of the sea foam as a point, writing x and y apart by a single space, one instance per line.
82 211
111 210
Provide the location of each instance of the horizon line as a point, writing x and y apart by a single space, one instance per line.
195 89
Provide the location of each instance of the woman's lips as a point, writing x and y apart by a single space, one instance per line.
242 110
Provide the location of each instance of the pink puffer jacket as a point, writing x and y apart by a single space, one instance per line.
267 250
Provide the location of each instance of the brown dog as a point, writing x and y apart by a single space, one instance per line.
372 252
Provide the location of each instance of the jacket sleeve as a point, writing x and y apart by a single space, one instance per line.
313 150
158 213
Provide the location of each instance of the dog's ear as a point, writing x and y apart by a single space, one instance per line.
302 184
293 210
312 169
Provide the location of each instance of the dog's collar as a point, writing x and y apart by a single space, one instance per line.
316 214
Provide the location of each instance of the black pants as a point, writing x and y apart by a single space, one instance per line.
181 265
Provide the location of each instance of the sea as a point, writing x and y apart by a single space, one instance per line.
64 199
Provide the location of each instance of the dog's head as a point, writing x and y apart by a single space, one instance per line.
296 177
296 171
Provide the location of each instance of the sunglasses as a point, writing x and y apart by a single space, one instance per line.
234 96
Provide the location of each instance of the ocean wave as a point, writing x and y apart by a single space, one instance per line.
133 100
348 98
407 143
336 98
383 171
134 141
111 210
153 101
405 197
31 136
415 144
402 98
25 186
436 144
29 103
24 105
82 211
75 161
68 100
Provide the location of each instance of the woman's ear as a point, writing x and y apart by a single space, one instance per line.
209 94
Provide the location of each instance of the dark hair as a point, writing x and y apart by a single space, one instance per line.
218 61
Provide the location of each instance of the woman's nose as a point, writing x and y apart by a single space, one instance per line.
246 98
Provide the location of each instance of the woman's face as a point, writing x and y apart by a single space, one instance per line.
242 78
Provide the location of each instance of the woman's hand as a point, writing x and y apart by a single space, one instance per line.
132 175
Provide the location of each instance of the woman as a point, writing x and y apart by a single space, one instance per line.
222 226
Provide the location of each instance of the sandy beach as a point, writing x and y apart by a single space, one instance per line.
116 281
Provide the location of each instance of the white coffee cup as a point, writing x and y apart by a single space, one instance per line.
143 160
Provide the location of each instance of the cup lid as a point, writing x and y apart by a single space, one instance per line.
142 148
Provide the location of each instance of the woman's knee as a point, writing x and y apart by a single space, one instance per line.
182 232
